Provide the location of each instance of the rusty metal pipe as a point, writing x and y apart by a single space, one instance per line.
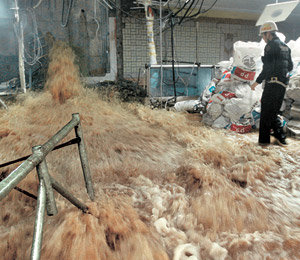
84 159
54 140
39 223
42 171
66 194
72 141
12 180
26 167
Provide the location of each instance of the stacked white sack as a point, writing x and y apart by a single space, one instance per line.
229 100
293 90
247 60
292 98
234 106
187 105
242 110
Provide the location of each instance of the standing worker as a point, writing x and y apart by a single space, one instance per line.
277 63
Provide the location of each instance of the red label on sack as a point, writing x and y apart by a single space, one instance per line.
227 94
244 74
242 129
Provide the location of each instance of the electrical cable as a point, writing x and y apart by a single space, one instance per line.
187 10
185 4
68 13
199 11
37 48
108 5
38 4
116 7
138 19
210 7
186 84
191 11
95 18
104 4
178 2
205 11
166 3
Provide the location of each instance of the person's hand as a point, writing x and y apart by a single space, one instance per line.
253 86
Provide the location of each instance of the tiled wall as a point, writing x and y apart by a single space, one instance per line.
211 36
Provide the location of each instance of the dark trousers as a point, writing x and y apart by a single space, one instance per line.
271 102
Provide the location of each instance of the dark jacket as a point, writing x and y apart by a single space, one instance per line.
277 62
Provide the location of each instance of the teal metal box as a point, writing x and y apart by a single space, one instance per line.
190 79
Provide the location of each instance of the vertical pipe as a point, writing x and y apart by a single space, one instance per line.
30 78
20 37
173 61
39 222
160 38
119 36
139 75
150 33
21 59
107 42
197 55
197 30
43 174
84 159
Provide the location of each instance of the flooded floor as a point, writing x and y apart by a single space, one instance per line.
166 186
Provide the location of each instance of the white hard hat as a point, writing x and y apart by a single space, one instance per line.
268 27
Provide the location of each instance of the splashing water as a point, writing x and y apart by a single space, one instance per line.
166 187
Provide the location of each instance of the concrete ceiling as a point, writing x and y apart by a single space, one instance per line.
242 9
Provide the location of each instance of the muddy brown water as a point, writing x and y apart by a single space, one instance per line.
166 186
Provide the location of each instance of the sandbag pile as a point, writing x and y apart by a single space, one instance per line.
229 101
292 98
